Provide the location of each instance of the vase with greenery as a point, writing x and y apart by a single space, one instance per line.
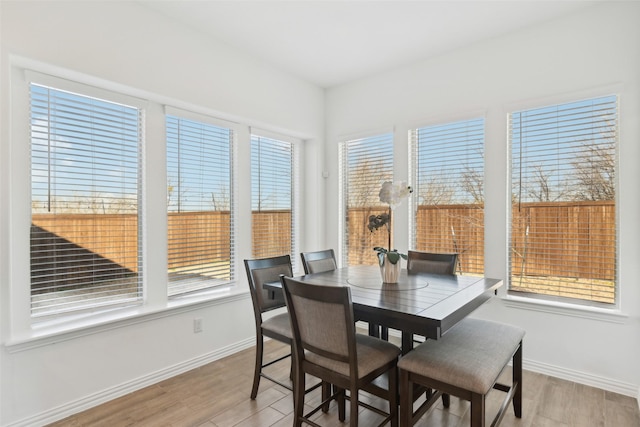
392 194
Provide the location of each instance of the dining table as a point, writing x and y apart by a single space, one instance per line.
422 304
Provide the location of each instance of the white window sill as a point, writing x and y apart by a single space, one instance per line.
68 328
554 307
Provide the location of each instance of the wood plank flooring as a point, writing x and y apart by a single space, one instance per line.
217 395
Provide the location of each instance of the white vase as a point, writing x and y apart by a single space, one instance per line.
389 271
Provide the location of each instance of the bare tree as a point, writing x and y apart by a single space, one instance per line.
473 184
542 189
176 194
595 172
366 177
221 200
437 190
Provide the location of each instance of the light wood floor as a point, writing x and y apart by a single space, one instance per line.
217 395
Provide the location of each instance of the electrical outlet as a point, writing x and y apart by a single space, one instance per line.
197 325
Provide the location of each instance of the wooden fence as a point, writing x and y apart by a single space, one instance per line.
270 233
568 232
190 238
76 245
434 225
571 238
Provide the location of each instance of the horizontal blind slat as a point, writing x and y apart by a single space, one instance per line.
366 163
85 178
563 232
449 178
199 178
272 197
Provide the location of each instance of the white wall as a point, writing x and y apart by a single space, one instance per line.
125 44
580 55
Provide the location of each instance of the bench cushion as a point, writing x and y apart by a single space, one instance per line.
470 356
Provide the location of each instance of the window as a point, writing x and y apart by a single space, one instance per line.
448 176
563 221
199 204
365 164
273 177
85 220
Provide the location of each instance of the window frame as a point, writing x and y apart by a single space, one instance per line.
548 303
414 142
232 128
22 323
296 149
383 136
91 250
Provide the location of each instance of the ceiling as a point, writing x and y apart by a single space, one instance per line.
329 43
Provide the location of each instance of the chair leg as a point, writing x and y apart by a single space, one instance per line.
517 376
446 400
353 408
258 368
291 368
342 411
326 393
299 388
393 396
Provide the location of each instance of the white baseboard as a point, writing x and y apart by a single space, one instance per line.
600 382
109 394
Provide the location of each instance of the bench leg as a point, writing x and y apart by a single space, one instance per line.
517 377
406 399
477 410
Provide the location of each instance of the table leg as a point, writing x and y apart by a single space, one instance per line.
407 342
374 330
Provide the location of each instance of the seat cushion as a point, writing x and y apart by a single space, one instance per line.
372 353
469 356
279 324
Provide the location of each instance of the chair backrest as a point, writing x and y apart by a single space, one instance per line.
322 322
318 261
264 270
428 262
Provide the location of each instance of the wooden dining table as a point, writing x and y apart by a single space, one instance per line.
419 304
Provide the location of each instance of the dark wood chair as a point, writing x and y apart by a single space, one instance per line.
326 346
278 327
318 261
466 362
435 263
325 260
429 262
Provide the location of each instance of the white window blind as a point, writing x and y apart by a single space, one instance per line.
85 251
272 197
199 203
563 221
448 172
365 164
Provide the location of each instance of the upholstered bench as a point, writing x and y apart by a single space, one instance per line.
466 362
